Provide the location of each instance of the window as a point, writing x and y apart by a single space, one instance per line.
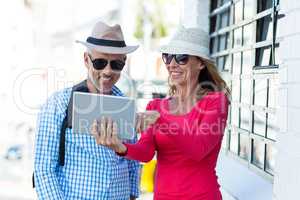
260 92
213 24
235 115
238 11
225 1
263 5
248 34
246 91
264 29
223 63
228 61
224 19
249 9
244 148
237 35
233 145
258 152
213 45
237 64
213 5
270 160
235 90
263 57
223 42
245 119
246 53
272 126
259 123
247 63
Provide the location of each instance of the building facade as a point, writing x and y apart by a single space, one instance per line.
254 44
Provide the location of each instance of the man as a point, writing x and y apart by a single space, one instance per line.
88 171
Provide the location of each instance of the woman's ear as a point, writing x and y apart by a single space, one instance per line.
201 65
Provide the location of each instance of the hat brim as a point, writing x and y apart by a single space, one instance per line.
109 49
179 50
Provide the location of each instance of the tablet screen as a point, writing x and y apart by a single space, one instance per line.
89 106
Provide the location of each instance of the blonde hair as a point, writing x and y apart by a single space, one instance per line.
209 80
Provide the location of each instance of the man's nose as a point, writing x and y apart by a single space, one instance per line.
107 69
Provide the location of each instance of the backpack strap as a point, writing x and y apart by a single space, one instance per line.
33 184
62 140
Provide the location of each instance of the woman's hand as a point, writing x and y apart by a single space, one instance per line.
145 119
105 132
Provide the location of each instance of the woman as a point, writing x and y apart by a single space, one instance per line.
188 134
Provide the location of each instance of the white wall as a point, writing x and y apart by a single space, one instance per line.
287 169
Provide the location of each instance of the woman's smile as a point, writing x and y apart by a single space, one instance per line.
175 74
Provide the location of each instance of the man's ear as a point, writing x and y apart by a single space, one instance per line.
86 59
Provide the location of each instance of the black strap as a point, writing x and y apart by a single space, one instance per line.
67 123
103 42
62 140
33 185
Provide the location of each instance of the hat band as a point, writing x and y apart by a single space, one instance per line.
103 42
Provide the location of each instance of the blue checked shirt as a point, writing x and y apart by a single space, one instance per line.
91 171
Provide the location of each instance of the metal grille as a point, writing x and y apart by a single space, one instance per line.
243 41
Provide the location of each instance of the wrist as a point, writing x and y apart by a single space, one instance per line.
121 150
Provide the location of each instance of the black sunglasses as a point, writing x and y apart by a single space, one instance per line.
180 59
101 63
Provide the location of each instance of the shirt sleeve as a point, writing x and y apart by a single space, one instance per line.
209 133
46 151
144 149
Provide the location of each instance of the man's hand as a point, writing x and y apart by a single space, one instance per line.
106 134
145 119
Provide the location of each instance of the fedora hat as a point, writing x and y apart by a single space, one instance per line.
191 41
107 39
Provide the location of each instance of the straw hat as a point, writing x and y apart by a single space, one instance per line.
107 39
191 41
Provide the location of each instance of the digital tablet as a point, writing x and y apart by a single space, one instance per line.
89 106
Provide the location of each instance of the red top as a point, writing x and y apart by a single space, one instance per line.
187 148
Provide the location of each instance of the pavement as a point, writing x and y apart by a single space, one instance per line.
146 196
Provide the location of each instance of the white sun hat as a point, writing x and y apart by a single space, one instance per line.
107 39
191 41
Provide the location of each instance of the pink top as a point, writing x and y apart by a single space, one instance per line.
187 148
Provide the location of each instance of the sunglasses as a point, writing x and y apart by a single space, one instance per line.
180 59
101 63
